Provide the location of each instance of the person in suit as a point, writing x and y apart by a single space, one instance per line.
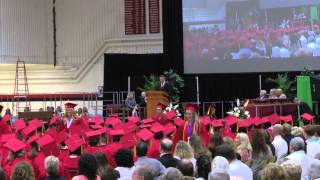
164 85
166 157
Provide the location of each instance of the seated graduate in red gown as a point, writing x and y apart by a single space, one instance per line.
73 123
5 123
154 149
159 116
192 125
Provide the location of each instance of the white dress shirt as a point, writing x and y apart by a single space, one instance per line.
240 170
313 146
125 172
281 147
303 160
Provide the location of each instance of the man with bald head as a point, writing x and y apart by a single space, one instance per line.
166 157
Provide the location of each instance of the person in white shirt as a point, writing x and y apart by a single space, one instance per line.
314 171
124 161
237 169
298 155
313 145
279 143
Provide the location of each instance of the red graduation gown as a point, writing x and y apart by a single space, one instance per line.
195 130
154 149
77 127
204 134
4 128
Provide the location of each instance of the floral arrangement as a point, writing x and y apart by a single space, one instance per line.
172 107
240 111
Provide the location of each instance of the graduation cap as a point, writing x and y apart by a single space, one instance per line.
129 128
70 105
192 107
96 127
287 118
307 116
28 130
147 121
115 135
33 139
133 119
169 128
19 124
112 121
6 137
257 121
53 120
145 126
157 128
145 134
14 145
90 134
48 145
230 120
35 122
96 120
61 136
128 140
217 124
74 142
274 118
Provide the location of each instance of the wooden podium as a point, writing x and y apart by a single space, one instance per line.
154 97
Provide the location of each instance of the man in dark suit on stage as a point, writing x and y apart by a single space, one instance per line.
166 157
164 85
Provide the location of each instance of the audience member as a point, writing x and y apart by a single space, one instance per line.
219 174
184 151
51 165
293 169
124 161
236 167
171 174
215 141
105 171
198 147
143 172
279 143
88 167
243 146
313 145
143 160
274 171
22 171
287 136
166 157
314 171
220 162
203 167
186 167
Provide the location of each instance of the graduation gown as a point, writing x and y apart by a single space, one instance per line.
195 130
204 134
154 149
77 127
5 128
160 119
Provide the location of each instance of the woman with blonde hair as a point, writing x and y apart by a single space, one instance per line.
192 125
243 146
198 147
184 151
274 171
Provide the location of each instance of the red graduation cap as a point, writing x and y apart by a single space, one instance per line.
147 121
116 132
230 120
161 105
307 116
170 115
33 138
179 122
96 127
257 121
74 142
113 121
19 124
53 120
192 107
35 122
133 119
145 134
6 137
15 145
157 128
244 124
128 140
287 118
217 124
90 134
265 120
130 128
48 145
145 126
28 130
274 118
69 105
205 120
6 118
169 128
61 136
96 120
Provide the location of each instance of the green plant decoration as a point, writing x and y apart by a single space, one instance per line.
283 82
172 77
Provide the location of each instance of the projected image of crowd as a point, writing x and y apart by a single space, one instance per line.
256 34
